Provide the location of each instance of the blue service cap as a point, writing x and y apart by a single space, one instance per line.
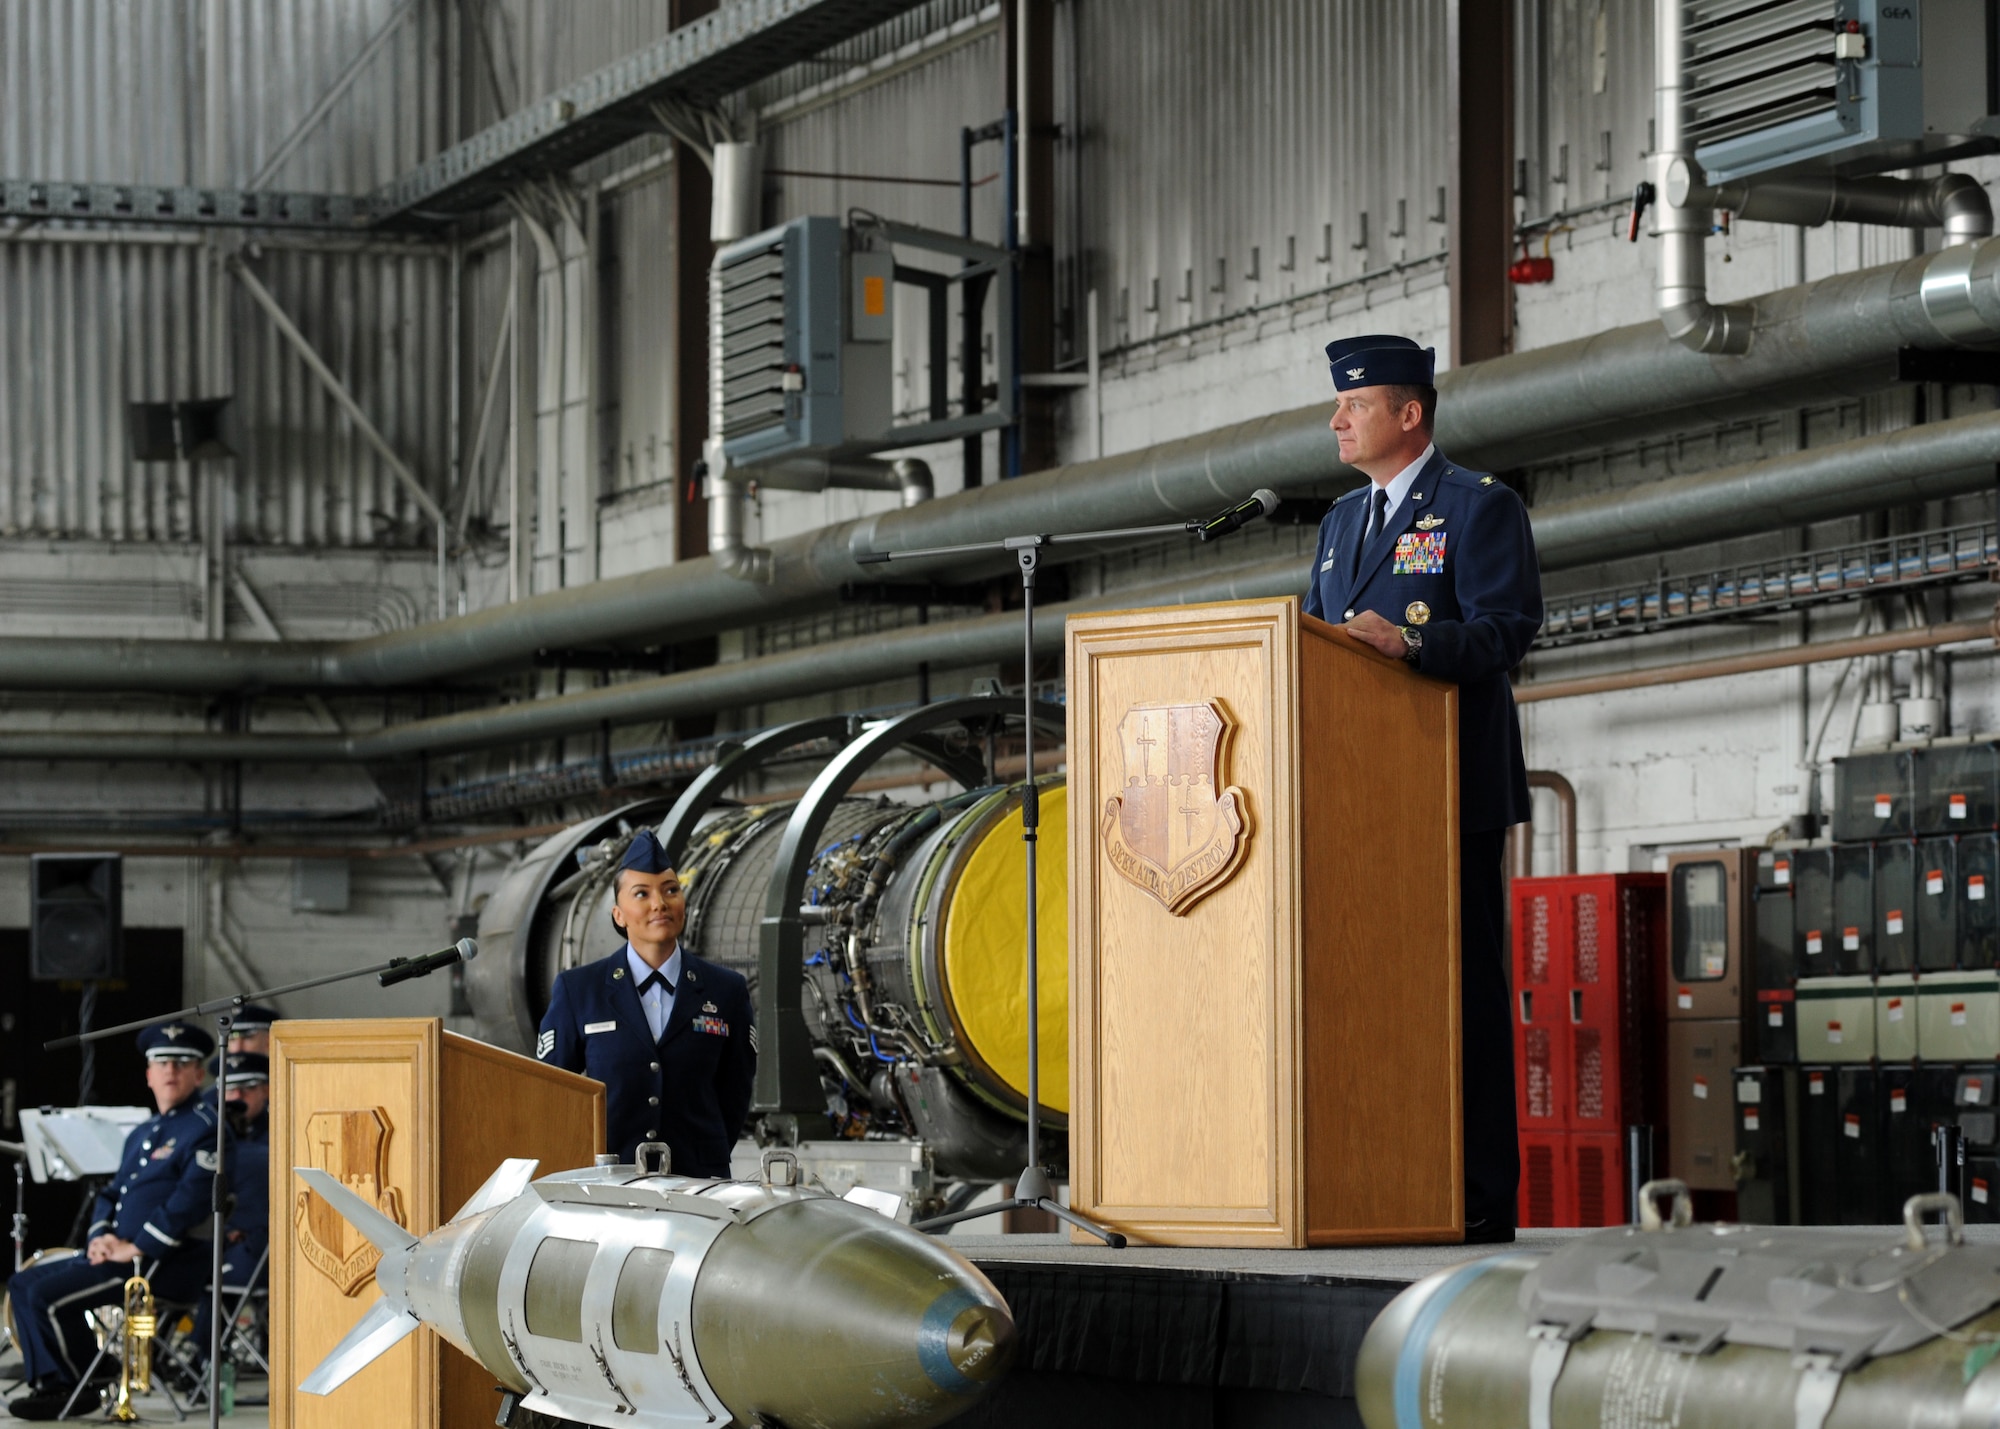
175 1042
253 1018
246 1069
1380 360
645 855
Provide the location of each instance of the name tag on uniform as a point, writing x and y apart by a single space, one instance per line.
713 1026
1419 553
1327 564
590 1027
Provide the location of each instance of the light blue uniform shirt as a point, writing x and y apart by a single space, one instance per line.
658 1001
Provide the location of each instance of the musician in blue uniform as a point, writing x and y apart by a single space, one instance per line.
246 1105
250 1029
669 1034
142 1224
1435 565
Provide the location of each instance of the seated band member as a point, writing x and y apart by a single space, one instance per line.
668 1034
246 1105
141 1224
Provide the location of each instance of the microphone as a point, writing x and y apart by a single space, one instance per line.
403 969
1263 501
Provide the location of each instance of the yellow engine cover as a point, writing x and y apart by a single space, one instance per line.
985 937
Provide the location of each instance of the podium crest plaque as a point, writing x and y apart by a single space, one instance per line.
1175 831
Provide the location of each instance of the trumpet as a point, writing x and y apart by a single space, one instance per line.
135 1348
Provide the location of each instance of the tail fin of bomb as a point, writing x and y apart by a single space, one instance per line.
381 1329
501 1187
384 1234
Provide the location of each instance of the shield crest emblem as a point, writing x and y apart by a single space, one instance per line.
354 1146
1176 829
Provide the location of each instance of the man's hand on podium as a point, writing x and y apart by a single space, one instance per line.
1372 630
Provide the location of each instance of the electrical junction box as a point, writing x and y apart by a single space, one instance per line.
807 316
1850 87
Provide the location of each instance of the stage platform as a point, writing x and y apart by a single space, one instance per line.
1172 1338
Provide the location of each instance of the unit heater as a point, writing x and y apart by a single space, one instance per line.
1848 86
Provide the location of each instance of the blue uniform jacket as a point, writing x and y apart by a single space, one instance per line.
250 1178
691 1089
165 1180
1461 545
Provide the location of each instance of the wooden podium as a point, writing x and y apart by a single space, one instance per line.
1263 882
415 1119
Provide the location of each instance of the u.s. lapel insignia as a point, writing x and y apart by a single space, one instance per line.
617 973
1430 523
1416 612
1485 481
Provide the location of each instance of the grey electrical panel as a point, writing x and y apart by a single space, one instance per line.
807 316
1843 86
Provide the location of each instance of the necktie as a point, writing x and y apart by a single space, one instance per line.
1378 515
656 977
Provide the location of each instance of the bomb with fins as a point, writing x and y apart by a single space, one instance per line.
1721 1326
626 1296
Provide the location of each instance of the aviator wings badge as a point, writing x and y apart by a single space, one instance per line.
1175 830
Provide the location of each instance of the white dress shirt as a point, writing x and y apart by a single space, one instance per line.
1399 487
658 1001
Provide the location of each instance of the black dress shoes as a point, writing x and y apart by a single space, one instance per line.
45 1401
1492 1231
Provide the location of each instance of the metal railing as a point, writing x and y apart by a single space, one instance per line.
1782 583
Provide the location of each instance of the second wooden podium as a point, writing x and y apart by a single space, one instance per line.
1263 881
414 1119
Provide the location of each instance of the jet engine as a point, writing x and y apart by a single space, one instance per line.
884 941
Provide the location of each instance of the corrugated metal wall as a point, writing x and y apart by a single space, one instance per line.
1232 151
1585 92
209 92
206 91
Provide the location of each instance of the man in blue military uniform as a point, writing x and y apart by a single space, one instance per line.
250 1029
246 1104
669 1035
1436 565
141 1224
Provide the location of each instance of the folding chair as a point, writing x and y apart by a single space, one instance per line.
239 1341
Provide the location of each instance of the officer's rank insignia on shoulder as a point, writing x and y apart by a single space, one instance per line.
1430 523
1485 481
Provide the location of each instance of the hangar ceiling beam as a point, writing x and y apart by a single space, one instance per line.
711 56
1479 201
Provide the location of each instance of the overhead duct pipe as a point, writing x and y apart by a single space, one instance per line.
1936 460
1680 286
1918 463
1836 336
808 670
1955 203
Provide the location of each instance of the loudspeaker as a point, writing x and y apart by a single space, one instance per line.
76 917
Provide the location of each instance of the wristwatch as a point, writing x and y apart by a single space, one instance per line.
1413 643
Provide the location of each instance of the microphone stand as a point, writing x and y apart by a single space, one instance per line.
222 1008
1033 1191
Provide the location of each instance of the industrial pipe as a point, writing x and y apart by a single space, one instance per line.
809 670
1837 336
1927 637
1956 203
1913 464
1521 837
1680 285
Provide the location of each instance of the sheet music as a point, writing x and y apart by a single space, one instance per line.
74 1142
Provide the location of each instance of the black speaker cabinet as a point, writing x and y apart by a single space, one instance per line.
76 916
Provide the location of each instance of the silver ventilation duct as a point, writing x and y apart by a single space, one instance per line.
1838 335
1680 287
1919 463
